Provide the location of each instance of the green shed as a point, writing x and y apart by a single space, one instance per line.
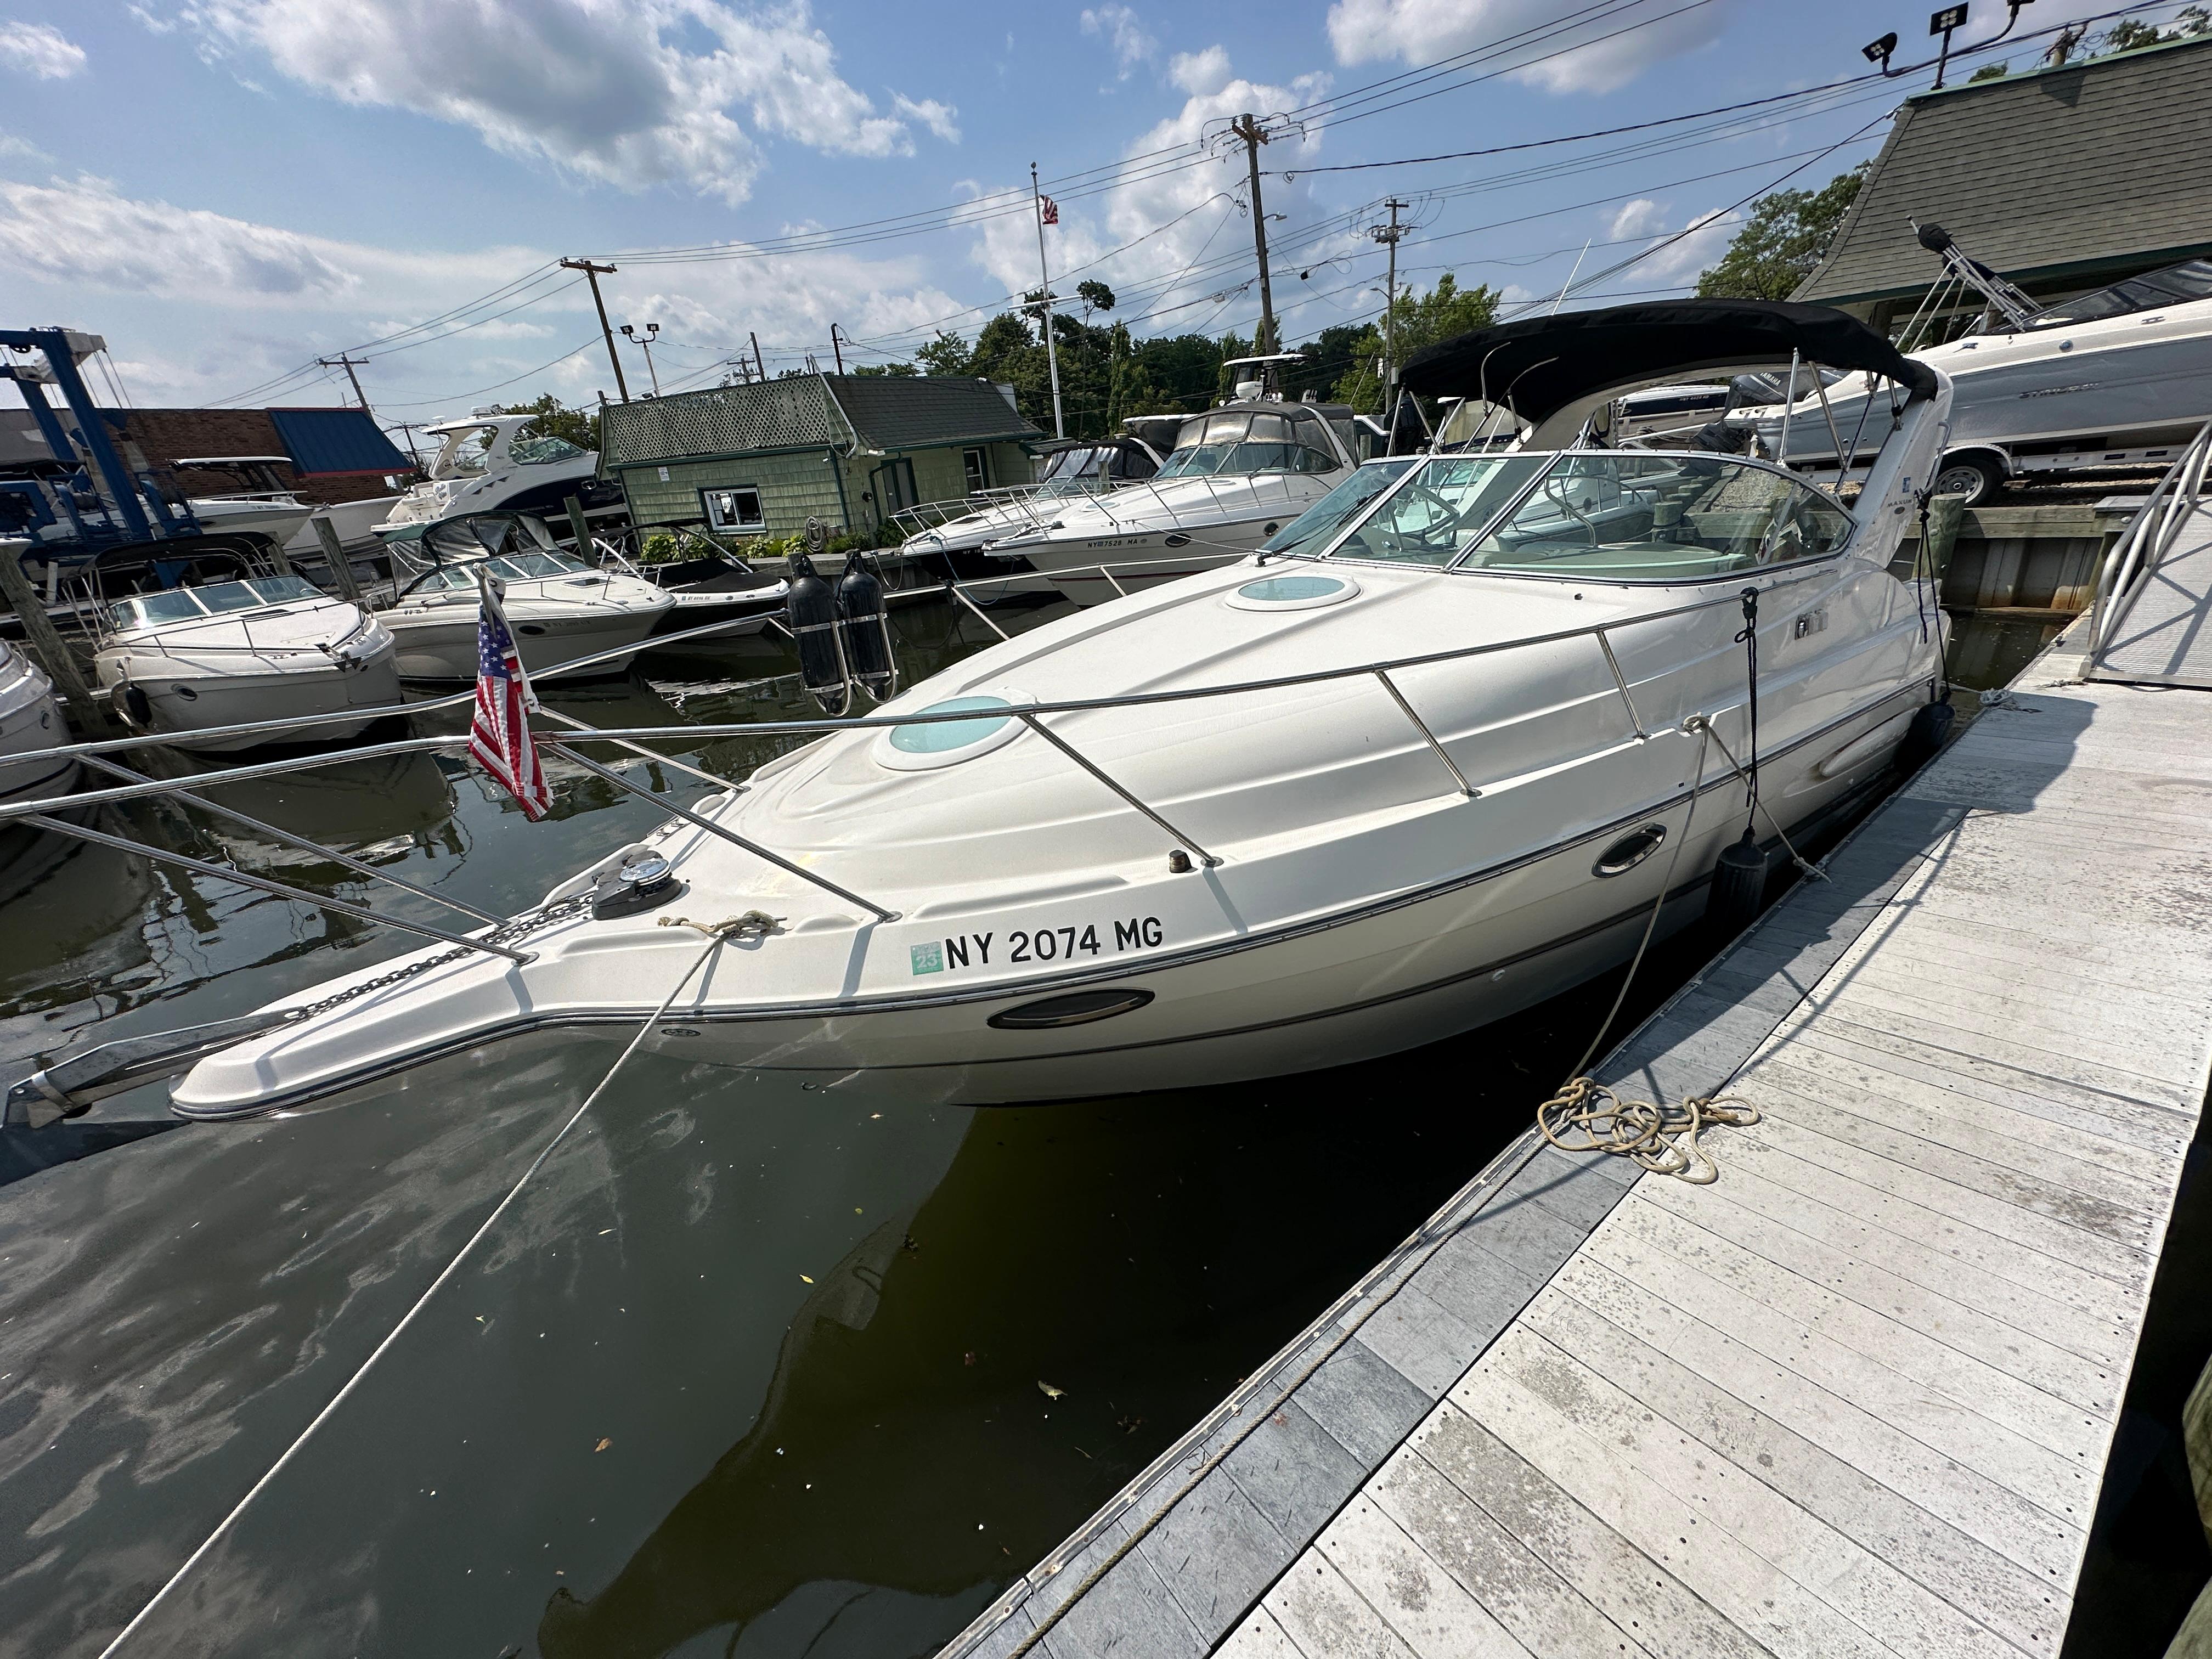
759 459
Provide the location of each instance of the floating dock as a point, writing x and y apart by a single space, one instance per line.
1854 1398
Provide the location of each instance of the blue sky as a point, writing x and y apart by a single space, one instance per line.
227 189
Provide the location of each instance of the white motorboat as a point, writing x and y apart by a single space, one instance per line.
562 610
261 504
2122 376
1237 475
192 659
30 724
356 523
484 465
707 584
950 536
1437 764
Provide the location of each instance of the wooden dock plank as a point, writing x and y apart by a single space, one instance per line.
1392 1569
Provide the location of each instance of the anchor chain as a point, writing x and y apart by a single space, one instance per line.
507 933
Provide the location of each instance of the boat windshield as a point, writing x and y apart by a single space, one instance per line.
1237 440
535 567
542 452
1310 531
465 456
1072 466
189 603
1609 516
2176 285
1435 514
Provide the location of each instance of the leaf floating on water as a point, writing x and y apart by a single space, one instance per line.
1051 1393
604 1443
803 1276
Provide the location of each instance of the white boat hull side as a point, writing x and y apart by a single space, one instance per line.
1070 566
356 523
1326 991
30 723
444 647
243 699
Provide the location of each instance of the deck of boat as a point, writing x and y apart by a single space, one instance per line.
1856 1397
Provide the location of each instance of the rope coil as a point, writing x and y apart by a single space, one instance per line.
1659 1136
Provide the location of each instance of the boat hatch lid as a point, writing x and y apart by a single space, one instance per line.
1540 366
928 744
1302 591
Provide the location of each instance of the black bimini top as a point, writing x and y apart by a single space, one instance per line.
1541 365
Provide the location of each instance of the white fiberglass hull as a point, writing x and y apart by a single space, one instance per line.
1210 1004
1144 559
280 521
30 724
443 646
184 703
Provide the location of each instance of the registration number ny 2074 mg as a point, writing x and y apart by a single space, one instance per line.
1024 945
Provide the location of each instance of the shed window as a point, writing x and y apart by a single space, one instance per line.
978 465
733 509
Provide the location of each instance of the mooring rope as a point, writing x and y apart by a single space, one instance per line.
718 932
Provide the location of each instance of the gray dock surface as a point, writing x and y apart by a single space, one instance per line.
1853 1399
2162 634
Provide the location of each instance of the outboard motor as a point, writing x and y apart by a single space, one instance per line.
867 629
812 608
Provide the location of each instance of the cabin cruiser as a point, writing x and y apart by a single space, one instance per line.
485 464
1237 474
258 503
2122 376
561 608
206 655
951 535
1446 759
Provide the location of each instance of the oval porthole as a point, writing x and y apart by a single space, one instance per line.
1297 592
531 628
928 745
1076 1008
1631 850
1181 538
188 693
1272 526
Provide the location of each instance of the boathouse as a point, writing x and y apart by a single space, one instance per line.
851 449
2063 178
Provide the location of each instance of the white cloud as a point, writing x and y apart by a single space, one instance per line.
631 93
1638 218
40 50
1201 72
940 118
1118 24
1677 262
1609 55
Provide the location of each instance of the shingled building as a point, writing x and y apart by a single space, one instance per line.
2063 179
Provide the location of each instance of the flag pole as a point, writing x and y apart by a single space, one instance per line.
1051 351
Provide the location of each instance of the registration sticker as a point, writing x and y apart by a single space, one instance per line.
928 958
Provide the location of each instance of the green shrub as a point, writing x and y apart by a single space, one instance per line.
660 548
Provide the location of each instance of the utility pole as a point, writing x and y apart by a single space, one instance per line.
349 364
1390 235
592 273
644 342
1044 275
407 430
836 350
1248 128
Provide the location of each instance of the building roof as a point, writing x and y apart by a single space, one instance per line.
807 412
336 442
2059 173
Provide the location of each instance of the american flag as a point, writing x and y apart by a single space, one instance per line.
1049 208
499 736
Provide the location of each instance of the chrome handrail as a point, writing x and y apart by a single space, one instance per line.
2143 544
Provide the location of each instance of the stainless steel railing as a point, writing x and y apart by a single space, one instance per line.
2144 543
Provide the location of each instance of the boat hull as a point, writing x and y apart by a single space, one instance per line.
1386 977
183 704
1145 559
444 647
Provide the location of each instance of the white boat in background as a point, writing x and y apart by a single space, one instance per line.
950 536
2120 377
560 610
30 724
484 465
224 654
1446 760
1237 475
263 504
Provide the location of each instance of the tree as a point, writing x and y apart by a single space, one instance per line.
948 354
1996 71
894 371
580 427
1096 296
1787 234
2128 33
1348 358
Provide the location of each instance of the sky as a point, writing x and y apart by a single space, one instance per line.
227 189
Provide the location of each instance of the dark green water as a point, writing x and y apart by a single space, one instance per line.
743 1369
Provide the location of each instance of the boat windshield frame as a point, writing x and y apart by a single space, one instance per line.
128 615
571 566
1521 496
